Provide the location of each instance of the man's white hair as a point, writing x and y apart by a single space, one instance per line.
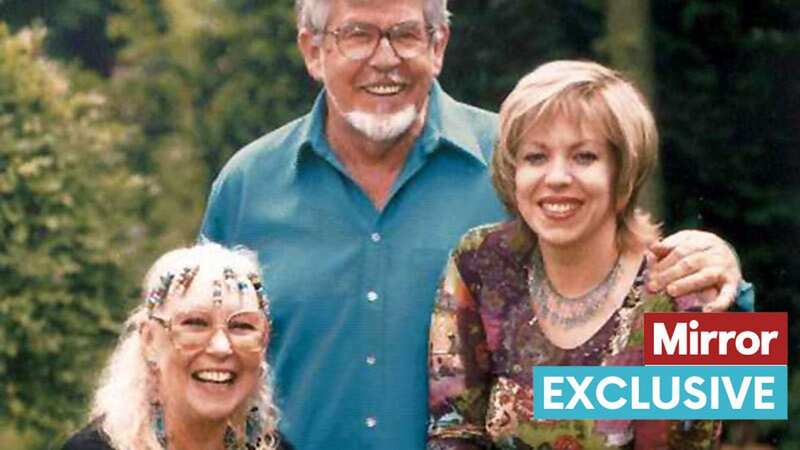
122 403
313 14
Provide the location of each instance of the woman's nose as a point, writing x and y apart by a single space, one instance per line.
219 344
558 173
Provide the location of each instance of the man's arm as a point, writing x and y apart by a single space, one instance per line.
694 261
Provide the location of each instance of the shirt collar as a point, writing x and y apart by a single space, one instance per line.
312 131
446 124
443 125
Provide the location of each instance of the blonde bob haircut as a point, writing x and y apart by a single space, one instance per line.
589 93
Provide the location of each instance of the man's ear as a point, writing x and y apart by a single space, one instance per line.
441 38
311 47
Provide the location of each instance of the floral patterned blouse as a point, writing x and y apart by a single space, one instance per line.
484 341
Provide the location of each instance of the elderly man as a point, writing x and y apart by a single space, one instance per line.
353 209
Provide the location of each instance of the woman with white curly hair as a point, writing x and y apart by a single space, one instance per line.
190 372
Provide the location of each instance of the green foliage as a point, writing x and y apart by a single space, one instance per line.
76 28
66 203
201 78
251 77
224 72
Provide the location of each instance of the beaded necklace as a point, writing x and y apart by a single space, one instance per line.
564 311
253 432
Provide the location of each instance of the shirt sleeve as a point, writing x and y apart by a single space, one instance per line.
458 368
211 229
745 297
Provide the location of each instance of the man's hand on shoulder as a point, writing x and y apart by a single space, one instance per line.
696 262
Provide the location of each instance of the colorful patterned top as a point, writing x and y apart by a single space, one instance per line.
484 340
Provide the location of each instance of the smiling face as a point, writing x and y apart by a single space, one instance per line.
564 177
207 379
382 95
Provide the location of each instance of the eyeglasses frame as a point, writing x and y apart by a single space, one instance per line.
167 324
385 33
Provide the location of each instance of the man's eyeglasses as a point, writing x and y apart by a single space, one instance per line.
358 41
192 330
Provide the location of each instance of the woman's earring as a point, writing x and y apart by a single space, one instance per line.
157 424
152 380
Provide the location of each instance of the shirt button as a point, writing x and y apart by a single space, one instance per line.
372 296
376 237
371 360
370 422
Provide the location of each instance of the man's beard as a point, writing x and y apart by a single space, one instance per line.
382 127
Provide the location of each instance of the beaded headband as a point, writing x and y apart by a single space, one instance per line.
165 287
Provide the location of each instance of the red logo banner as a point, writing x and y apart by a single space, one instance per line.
716 338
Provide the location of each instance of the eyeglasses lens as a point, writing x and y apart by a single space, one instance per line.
245 330
358 41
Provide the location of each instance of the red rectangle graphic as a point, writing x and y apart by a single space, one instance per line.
733 338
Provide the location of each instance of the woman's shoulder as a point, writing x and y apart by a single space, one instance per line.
510 237
89 438
474 237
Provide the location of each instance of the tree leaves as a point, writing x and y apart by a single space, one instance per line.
66 199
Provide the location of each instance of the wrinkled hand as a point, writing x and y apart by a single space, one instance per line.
696 262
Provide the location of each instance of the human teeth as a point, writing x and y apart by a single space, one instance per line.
559 207
384 89
214 376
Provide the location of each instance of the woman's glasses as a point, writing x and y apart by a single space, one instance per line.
192 330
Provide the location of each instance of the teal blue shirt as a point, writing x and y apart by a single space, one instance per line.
352 287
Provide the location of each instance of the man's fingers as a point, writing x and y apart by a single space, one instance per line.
660 249
691 261
695 282
670 259
677 246
704 280
650 258
724 299
676 239
663 274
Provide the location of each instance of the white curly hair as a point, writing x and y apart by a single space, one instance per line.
122 403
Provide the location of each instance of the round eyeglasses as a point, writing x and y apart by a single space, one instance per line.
358 41
192 330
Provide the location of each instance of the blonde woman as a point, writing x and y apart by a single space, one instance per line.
189 372
561 284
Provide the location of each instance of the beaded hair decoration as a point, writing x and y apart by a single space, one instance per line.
185 279
255 280
170 284
157 295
